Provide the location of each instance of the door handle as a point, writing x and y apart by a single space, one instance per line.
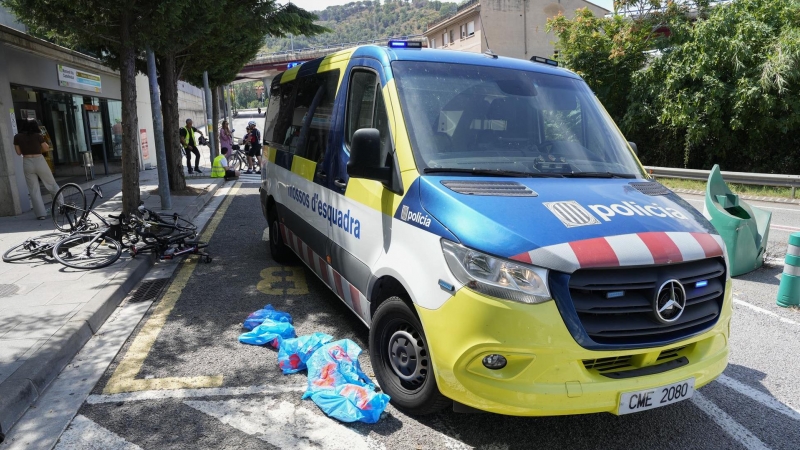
322 175
340 183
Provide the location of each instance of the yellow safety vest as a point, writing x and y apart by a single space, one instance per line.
217 171
189 136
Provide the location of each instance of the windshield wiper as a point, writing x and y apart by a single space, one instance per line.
598 175
492 172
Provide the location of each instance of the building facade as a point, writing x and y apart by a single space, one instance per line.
76 101
513 28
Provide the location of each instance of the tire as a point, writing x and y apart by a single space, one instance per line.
236 163
32 247
400 358
87 251
68 206
279 251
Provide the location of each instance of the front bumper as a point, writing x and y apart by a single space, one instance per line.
545 374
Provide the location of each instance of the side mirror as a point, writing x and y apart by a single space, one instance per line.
635 149
368 162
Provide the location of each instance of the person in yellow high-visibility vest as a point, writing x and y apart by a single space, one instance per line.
219 167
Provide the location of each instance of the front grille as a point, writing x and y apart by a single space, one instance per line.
621 363
490 188
614 306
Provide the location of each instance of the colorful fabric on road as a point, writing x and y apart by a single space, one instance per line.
270 332
268 312
294 353
340 388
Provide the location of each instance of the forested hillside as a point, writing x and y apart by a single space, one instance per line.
364 20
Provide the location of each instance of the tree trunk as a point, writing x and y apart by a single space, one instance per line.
168 84
130 120
215 116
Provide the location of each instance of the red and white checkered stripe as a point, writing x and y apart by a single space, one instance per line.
351 296
635 249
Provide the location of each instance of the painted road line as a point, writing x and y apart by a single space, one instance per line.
760 397
283 424
727 423
124 377
764 311
84 433
784 227
193 393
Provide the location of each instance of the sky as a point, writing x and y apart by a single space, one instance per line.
317 5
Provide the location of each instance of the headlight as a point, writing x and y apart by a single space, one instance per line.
496 277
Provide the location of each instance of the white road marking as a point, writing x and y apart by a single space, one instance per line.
764 311
283 424
265 235
192 393
759 396
727 423
757 206
87 435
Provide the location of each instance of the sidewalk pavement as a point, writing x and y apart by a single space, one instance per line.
48 311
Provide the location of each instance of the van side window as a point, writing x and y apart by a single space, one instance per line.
279 122
315 96
365 106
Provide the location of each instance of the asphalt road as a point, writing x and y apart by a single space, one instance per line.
184 381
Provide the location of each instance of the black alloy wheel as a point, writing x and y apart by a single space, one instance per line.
401 359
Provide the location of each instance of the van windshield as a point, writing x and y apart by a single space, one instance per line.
487 119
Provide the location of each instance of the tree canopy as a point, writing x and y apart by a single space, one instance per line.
697 86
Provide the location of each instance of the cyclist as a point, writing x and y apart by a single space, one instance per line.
253 138
190 145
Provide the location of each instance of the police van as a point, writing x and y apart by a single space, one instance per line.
489 223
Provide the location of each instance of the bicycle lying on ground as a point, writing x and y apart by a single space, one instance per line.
83 244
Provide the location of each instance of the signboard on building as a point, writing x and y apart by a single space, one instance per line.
78 79
143 140
95 126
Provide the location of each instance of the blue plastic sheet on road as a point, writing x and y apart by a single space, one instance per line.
269 332
339 387
294 353
268 312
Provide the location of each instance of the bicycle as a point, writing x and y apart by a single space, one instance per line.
94 250
34 246
69 208
169 247
237 158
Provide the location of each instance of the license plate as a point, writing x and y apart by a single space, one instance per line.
631 402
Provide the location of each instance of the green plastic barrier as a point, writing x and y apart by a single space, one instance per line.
789 290
744 228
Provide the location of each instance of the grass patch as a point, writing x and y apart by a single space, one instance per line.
742 189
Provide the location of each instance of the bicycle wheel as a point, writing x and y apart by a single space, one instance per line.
68 206
236 163
87 251
32 247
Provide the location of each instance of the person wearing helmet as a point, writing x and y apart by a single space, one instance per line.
253 138
189 144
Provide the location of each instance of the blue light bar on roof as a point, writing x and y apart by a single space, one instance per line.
293 64
405 44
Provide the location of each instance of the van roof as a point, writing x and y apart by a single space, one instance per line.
387 55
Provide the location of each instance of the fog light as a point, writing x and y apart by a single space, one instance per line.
494 362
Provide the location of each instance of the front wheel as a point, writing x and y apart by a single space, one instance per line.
87 251
279 251
67 208
401 359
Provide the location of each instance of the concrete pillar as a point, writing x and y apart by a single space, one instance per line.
14 198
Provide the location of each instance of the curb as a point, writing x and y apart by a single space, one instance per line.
785 201
21 390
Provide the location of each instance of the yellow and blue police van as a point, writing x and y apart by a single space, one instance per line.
490 224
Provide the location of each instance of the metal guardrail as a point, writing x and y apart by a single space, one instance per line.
757 179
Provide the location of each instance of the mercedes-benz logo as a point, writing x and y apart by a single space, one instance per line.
670 301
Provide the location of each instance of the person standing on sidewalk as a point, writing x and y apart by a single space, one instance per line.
254 153
29 143
225 136
190 145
